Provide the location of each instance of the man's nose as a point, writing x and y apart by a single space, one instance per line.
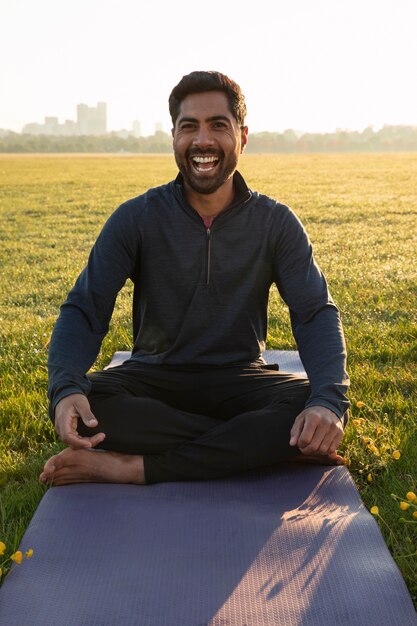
203 137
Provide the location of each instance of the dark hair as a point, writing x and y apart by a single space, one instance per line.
198 82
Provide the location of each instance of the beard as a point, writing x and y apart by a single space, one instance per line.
201 181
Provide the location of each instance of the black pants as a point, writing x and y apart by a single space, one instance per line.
197 422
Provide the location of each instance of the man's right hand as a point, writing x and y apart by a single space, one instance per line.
67 413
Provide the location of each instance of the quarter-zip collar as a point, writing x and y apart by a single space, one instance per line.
242 195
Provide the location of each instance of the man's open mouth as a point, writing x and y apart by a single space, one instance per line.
204 163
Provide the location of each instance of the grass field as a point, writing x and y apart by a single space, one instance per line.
361 214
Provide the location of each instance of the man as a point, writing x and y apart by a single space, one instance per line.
196 400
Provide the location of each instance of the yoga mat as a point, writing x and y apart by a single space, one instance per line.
291 546
287 360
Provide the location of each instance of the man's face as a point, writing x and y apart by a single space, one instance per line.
207 141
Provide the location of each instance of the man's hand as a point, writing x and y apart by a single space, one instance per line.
317 431
67 413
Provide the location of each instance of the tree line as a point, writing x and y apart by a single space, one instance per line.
386 139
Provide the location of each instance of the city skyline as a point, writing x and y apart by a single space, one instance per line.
91 120
312 67
52 125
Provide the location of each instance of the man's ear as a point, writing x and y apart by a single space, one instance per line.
172 131
243 138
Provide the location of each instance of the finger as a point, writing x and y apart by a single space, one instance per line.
66 424
331 442
296 430
48 470
83 409
75 441
325 441
339 460
334 436
95 440
311 436
78 442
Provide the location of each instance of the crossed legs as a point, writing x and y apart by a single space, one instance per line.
164 423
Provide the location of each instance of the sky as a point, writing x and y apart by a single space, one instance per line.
310 65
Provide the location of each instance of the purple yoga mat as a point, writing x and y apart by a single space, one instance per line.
292 546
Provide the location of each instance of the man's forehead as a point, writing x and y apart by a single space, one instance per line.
204 105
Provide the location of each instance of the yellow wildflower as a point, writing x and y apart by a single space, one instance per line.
17 557
404 506
415 514
411 496
374 449
29 553
2 547
360 404
369 478
374 510
396 455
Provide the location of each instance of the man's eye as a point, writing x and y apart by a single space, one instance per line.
220 125
187 126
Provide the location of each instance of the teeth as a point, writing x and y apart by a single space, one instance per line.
205 159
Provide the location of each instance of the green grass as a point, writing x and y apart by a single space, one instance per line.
361 214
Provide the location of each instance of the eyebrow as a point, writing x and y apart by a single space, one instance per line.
213 118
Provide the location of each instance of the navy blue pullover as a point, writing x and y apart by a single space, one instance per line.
201 295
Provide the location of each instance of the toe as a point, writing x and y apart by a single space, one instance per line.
49 468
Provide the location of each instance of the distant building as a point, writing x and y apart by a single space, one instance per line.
136 129
69 127
123 133
90 121
33 129
51 126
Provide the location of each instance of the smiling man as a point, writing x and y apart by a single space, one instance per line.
208 161
196 400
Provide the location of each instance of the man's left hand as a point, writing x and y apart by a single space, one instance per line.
316 431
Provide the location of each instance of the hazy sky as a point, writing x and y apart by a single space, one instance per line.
312 65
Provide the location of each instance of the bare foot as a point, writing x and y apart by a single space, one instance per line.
93 466
320 459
